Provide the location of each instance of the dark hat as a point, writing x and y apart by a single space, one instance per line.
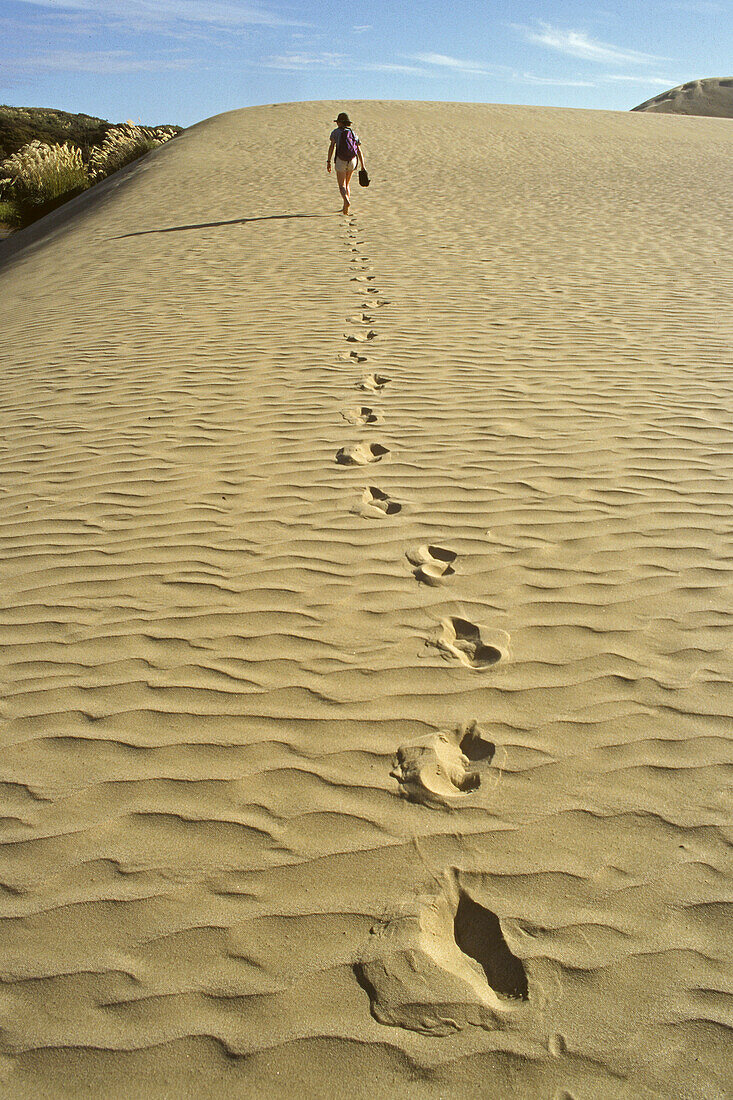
343 118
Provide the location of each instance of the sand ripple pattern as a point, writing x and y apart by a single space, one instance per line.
214 641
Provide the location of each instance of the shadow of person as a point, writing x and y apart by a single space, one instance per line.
209 225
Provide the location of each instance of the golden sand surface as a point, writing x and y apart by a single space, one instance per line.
366 614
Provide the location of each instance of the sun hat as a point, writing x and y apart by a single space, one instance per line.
344 118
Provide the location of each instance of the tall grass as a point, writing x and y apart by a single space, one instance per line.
122 145
39 173
37 177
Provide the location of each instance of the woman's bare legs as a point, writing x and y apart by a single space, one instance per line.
344 189
344 180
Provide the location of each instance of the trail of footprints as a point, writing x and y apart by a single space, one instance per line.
437 772
459 639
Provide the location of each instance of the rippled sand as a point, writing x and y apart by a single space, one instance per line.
366 603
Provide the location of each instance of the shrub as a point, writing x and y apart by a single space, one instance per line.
38 173
8 213
122 145
20 126
41 176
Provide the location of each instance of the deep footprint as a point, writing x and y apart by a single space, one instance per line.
362 414
359 337
435 771
373 382
462 639
478 934
375 504
443 962
361 453
433 564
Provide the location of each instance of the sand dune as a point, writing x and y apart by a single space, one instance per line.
366 655
712 97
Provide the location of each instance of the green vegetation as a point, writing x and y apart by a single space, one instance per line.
39 173
8 213
20 126
48 157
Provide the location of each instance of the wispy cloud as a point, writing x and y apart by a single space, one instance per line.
579 44
699 7
361 28
530 78
456 64
302 62
92 61
389 67
299 61
630 79
137 14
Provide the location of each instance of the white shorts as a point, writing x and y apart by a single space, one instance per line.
345 165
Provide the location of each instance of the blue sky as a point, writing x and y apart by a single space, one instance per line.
179 61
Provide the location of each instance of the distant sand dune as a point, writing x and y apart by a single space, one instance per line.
405 773
712 97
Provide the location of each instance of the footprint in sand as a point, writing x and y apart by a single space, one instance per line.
363 278
375 503
352 357
362 414
462 639
374 382
444 961
361 319
437 769
361 453
433 564
359 337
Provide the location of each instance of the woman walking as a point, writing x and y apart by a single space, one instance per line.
346 145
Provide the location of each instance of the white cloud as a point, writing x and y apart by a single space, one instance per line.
579 44
139 13
699 7
530 78
301 62
386 67
662 81
93 61
361 28
455 63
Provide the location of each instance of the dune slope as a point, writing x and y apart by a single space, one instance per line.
366 657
